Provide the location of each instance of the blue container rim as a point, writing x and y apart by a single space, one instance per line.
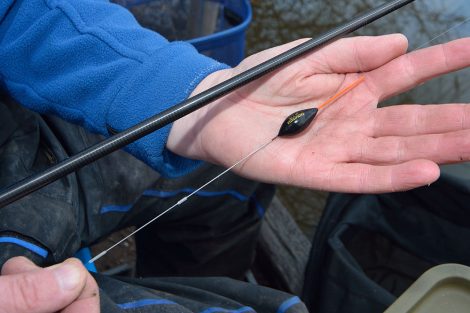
230 31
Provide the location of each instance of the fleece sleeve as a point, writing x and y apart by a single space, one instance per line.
89 62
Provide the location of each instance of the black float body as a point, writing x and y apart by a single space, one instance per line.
297 122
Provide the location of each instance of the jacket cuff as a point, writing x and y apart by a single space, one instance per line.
174 70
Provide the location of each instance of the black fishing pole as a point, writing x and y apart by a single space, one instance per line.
118 141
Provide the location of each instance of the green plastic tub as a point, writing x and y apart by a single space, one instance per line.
442 289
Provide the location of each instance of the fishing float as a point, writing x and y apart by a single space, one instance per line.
294 124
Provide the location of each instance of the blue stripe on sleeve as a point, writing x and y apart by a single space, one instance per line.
287 304
147 302
116 208
240 310
25 244
144 302
202 193
259 208
168 194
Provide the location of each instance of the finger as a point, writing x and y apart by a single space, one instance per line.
416 67
88 301
348 55
407 120
440 148
18 265
401 120
359 54
365 178
42 290
89 305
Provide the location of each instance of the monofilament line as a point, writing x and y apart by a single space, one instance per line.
442 34
182 200
289 121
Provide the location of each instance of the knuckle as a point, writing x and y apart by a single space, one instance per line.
399 151
409 69
24 296
364 178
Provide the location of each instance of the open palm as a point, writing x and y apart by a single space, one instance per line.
351 146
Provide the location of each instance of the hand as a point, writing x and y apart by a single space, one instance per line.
66 287
352 146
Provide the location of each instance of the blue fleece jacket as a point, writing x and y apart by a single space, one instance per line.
89 62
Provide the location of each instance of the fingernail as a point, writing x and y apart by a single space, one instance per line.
67 275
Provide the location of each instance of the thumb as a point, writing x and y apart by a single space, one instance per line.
42 290
18 265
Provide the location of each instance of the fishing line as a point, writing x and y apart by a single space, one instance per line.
443 33
294 124
181 201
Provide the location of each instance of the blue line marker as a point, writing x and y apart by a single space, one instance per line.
240 310
287 304
116 208
168 194
144 302
28 245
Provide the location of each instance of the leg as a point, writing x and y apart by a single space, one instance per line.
214 233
